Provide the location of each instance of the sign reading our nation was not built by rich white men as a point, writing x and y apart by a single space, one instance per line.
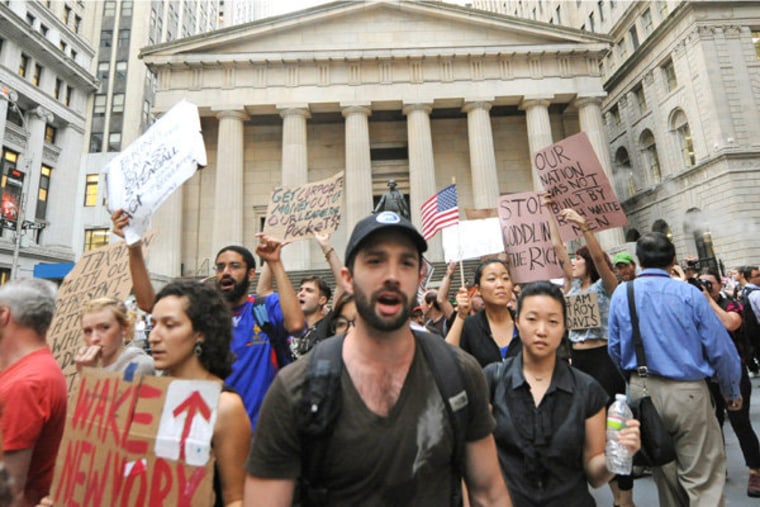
572 174
296 213
527 241
144 175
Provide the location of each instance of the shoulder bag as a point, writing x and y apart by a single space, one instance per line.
657 447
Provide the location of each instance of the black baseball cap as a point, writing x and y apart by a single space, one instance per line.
383 221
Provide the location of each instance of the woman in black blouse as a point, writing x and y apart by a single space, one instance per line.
489 335
550 417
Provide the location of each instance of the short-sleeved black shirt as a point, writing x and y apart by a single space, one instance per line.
477 340
541 448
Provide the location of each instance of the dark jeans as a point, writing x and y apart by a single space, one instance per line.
739 420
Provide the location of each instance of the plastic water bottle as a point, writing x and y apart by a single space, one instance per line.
619 457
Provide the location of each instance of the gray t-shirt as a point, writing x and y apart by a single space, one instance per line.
133 354
402 459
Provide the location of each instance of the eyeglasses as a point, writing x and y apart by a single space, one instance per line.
234 266
342 324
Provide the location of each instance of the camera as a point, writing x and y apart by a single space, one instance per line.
699 284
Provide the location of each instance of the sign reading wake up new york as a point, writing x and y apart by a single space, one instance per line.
298 212
572 174
144 175
142 441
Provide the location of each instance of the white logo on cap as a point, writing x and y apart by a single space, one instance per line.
387 217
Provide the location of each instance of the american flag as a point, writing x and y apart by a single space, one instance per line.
439 212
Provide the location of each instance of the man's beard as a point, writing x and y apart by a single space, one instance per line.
238 291
365 307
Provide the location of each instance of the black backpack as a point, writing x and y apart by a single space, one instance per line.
320 405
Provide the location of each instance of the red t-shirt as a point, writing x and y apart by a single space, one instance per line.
33 402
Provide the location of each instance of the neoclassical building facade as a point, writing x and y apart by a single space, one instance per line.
421 92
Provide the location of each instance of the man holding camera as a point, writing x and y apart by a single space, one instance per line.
729 314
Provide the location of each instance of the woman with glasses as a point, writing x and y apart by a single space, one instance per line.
107 329
343 315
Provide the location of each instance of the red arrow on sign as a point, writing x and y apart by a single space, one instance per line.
192 405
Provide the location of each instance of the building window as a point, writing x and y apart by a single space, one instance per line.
669 75
96 142
623 175
91 190
105 38
43 30
591 26
641 99
23 65
30 19
622 49
95 238
663 9
50 134
66 14
146 118
615 116
37 76
126 8
681 127
69 94
117 103
114 141
42 193
756 42
57 89
99 106
77 23
109 9
103 69
646 21
600 5
634 37
559 16
123 41
74 55
121 72
651 160
63 46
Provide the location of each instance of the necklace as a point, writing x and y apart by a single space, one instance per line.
538 379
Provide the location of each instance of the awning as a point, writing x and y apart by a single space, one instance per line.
52 270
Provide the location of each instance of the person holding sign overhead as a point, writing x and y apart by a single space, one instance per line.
591 271
107 327
190 340
489 335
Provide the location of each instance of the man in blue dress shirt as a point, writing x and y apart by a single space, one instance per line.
685 344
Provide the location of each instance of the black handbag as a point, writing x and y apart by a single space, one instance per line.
657 447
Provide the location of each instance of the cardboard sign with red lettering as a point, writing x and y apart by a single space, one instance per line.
103 272
139 442
527 241
571 172
298 212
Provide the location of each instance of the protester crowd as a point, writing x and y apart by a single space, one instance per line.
478 393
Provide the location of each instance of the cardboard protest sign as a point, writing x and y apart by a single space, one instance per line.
527 241
583 311
298 212
472 239
144 175
572 174
144 441
103 272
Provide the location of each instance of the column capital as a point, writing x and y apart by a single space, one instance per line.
531 101
294 110
349 109
43 114
231 113
588 100
477 104
425 107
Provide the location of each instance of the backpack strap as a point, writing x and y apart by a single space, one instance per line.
279 343
317 411
443 363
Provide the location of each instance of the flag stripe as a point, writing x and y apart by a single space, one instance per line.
439 212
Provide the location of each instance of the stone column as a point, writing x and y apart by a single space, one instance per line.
485 181
38 118
592 123
358 203
228 190
295 172
539 130
422 182
165 256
